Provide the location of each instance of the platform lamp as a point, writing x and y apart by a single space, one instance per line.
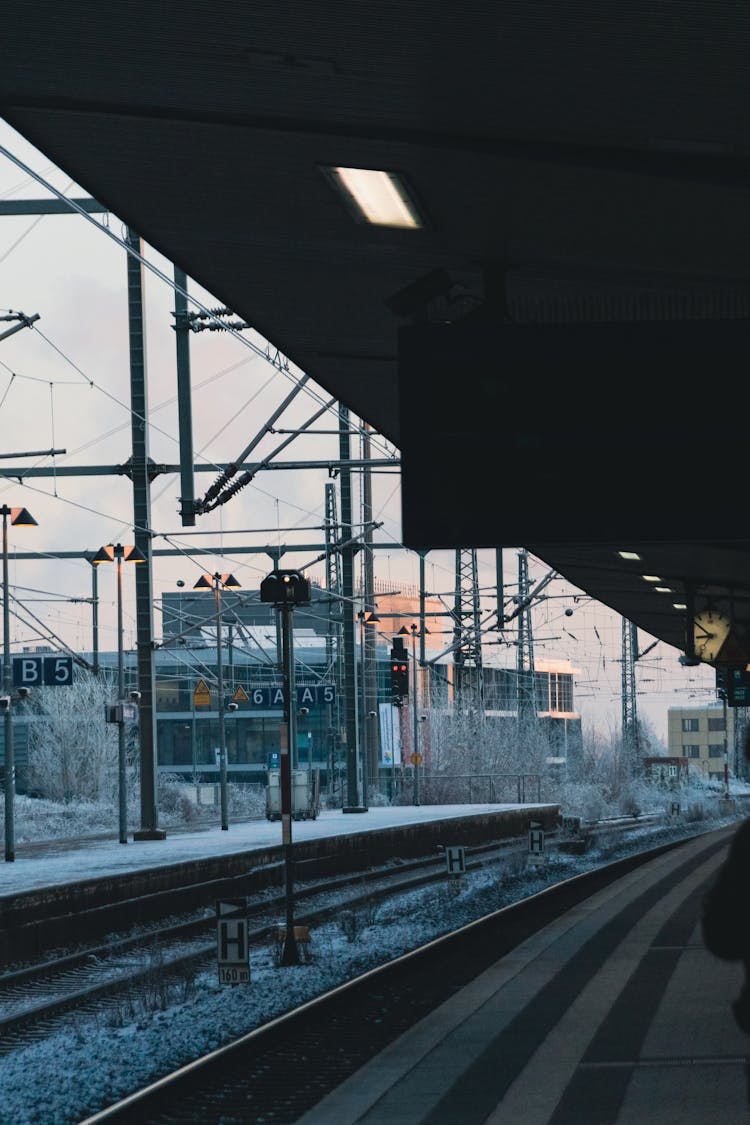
18 517
117 553
218 582
365 617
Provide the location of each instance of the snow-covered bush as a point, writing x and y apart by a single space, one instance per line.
72 749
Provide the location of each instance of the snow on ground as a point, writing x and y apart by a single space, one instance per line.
97 1061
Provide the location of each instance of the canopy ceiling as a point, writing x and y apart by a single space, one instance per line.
573 163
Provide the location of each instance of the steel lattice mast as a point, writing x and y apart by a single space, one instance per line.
467 654
335 631
629 710
527 712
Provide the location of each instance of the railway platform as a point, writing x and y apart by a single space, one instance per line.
613 1014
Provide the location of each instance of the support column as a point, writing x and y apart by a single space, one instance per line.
149 829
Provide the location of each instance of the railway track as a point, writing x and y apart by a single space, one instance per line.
150 967
35 1000
145 972
279 1070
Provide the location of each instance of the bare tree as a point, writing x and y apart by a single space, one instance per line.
72 749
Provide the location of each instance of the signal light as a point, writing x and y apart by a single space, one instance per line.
399 675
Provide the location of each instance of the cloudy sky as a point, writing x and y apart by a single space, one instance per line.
64 384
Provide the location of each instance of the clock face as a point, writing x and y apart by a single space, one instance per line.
710 631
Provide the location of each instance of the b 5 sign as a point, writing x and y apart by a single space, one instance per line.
35 671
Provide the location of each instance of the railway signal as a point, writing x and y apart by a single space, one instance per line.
399 674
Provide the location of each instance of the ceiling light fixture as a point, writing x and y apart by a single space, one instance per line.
679 605
630 555
377 197
664 589
651 578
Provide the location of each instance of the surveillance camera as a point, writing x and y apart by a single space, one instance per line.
423 718
4 702
135 696
371 714
304 710
180 582
568 612
232 706
23 692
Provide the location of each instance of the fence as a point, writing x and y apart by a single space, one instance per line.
450 789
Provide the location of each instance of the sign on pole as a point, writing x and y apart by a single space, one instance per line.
201 695
232 948
536 842
35 671
455 860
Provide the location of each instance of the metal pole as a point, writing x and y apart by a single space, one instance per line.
220 705
393 753
726 754
193 744
140 470
415 721
184 401
10 767
95 619
121 776
363 712
290 951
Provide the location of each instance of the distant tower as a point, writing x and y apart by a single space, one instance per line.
630 741
467 654
527 712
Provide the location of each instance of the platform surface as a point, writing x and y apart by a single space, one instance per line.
615 1013
58 861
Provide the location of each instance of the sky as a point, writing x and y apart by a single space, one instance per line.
64 384
94 1062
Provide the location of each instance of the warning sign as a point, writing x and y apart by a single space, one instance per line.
240 695
201 695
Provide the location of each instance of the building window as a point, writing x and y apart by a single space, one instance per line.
690 724
717 724
692 751
716 751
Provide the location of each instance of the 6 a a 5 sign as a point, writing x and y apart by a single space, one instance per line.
308 695
38 671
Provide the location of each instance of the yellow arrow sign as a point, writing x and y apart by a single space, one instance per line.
240 695
201 695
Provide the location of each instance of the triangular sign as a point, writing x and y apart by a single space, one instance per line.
230 906
201 695
240 695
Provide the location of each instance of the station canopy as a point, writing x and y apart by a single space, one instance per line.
549 319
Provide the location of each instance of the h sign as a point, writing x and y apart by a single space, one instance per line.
455 860
33 671
233 952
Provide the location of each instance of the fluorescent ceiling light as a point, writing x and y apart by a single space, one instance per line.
663 589
629 555
679 605
376 197
651 578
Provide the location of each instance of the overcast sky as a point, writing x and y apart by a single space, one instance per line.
64 384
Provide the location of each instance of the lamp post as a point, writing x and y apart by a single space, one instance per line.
365 617
217 582
286 589
117 553
19 517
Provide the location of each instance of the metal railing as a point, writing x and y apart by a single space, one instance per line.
449 789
